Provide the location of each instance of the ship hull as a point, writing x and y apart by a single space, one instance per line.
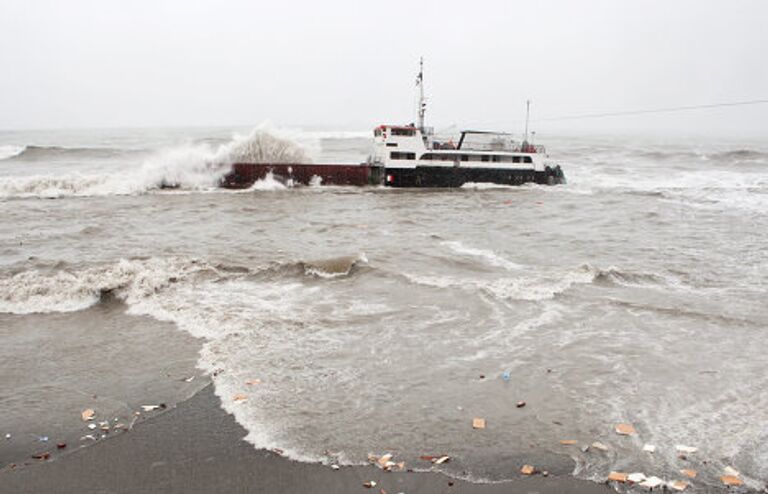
244 175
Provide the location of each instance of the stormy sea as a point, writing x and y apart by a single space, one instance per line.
339 322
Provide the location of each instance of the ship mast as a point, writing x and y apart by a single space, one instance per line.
422 103
527 116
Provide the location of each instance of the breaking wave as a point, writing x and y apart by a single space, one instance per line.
8 151
192 167
39 153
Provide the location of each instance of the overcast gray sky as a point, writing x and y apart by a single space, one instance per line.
352 64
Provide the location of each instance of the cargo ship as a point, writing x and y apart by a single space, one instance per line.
413 156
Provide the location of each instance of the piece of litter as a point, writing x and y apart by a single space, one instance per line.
87 414
239 397
89 436
92 426
520 404
545 473
43 439
568 442
600 446
441 460
149 408
189 379
369 484
528 470
506 375
478 423
686 449
636 477
652 482
691 474
625 429
731 480
335 467
61 445
384 459
649 448
41 456
618 476
678 485
731 471
7 436
253 382
401 466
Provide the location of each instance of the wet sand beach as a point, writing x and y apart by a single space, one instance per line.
196 447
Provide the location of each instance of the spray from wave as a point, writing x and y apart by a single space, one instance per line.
193 167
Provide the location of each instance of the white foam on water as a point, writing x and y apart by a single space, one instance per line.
487 255
10 150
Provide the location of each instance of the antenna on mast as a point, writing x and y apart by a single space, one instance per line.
422 103
527 117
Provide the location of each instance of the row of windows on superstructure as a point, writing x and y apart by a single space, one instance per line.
490 158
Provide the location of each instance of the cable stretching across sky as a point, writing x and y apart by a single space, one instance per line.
657 110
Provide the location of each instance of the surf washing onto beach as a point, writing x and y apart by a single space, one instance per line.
612 324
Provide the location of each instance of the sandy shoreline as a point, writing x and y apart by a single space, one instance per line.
198 447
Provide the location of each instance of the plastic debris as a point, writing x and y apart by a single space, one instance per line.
618 476
478 423
731 471
686 449
506 375
87 414
253 382
42 439
7 436
384 459
600 446
335 467
636 477
370 484
691 474
545 473
731 480
89 436
61 445
189 379
239 397
584 448
625 429
528 470
520 404
149 408
678 485
441 460
92 426
41 456
568 442
652 482
649 448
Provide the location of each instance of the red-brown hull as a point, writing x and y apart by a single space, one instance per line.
244 175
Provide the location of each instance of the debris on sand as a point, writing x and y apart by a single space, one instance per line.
636 477
369 484
478 423
61 445
92 426
652 482
189 379
568 442
649 448
520 404
528 470
618 476
239 397
731 480
678 485
625 429
41 456
731 471
87 414
335 467
441 460
600 446
384 459
252 382
149 408
686 449
691 474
